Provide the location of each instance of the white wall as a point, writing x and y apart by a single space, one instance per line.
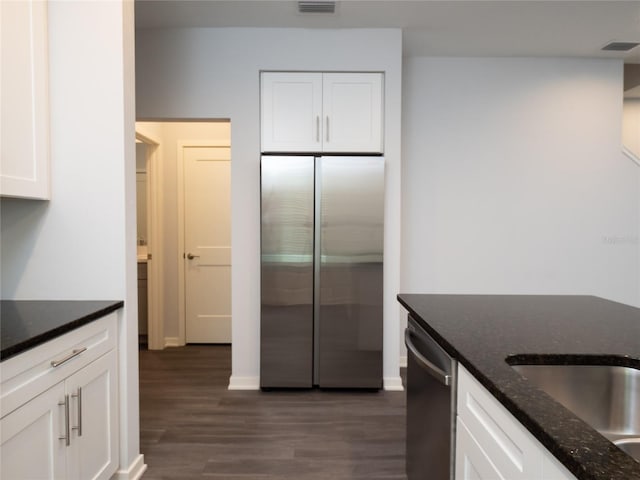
513 179
167 135
214 73
80 245
631 125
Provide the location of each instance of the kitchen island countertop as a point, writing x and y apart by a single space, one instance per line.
482 331
25 324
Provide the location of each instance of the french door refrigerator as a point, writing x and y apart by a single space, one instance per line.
322 220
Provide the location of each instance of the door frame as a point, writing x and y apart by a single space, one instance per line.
182 307
155 268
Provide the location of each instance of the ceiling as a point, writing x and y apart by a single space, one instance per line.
432 28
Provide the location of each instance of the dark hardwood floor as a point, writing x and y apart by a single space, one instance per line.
192 427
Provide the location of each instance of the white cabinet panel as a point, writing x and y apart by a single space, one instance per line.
491 443
93 392
352 109
472 463
321 112
24 110
31 448
502 437
291 112
552 469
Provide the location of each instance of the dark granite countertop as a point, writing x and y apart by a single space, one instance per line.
25 324
481 331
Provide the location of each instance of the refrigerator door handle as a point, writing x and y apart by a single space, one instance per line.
317 256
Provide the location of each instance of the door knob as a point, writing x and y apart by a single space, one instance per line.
191 256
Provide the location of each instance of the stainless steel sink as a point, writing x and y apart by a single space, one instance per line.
605 397
630 445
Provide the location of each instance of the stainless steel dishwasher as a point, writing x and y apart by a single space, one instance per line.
431 407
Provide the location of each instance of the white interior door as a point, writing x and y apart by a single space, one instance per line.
207 242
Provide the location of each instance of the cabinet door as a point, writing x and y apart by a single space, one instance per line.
352 109
472 463
552 469
512 450
291 112
94 422
31 447
24 113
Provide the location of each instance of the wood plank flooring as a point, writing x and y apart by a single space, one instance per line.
192 427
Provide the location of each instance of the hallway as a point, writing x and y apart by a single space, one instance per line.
192 427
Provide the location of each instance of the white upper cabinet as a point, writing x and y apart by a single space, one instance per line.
24 119
291 112
321 112
352 108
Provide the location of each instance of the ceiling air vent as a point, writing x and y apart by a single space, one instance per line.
620 46
310 6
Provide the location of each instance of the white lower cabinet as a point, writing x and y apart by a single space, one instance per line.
491 444
30 446
69 430
93 419
552 469
471 461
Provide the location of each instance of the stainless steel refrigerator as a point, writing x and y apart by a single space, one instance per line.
321 272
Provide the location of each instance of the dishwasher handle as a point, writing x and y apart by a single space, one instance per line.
434 371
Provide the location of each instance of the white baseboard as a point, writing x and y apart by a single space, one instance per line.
172 342
403 361
244 383
133 472
393 384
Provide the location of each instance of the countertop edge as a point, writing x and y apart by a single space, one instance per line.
72 324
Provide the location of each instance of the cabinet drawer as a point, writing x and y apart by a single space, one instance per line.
26 375
472 463
510 447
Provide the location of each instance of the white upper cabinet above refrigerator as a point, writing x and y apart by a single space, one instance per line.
352 109
321 112
291 110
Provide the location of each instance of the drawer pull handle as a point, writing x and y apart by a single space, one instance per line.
67 435
75 353
78 396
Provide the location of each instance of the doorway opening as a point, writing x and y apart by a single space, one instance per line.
188 233
149 239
